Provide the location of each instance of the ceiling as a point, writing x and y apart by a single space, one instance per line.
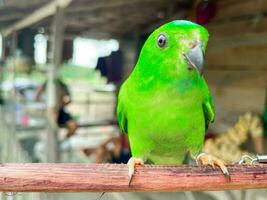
100 18
238 31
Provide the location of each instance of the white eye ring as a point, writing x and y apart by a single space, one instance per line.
162 41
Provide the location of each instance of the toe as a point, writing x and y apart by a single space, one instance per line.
131 166
205 159
222 166
130 177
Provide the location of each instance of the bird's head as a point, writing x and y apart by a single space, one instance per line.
174 51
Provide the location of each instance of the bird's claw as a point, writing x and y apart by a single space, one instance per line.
205 159
130 176
131 166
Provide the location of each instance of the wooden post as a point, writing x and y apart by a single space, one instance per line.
2 59
58 37
37 177
14 43
13 99
129 48
52 107
2 47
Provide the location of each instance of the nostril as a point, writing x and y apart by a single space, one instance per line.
193 44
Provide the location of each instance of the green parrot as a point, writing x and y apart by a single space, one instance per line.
165 105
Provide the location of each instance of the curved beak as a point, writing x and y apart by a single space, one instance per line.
195 58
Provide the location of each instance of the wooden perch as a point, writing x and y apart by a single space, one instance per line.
114 177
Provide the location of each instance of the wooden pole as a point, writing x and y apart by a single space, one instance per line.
52 94
2 60
2 48
114 177
129 48
13 96
58 29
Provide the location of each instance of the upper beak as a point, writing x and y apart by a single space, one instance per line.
195 58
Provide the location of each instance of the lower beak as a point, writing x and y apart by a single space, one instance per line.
195 58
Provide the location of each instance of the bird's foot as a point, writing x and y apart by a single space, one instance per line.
132 162
206 159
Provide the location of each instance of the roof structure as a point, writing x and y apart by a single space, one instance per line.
237 30
95 18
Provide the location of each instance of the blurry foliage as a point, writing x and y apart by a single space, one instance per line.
23 64
68 72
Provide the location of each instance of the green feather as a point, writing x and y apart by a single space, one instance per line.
163 106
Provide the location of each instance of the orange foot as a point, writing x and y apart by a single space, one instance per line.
132 162
205 159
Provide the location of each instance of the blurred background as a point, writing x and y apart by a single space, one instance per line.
62 63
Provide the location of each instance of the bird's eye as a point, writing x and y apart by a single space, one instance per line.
162 41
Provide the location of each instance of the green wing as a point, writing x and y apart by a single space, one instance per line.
121 115
208 106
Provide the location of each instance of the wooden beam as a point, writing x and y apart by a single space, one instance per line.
17 4
225 77
237 28
239 8
107 15
238 33
102 16
19 9
36 16
103 4
2 59
58 28
3 52
247 57
114 177
11 16
89 34
238 41
99 16
228 11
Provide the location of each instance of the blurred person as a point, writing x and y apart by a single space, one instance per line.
124 154
64 119
113 150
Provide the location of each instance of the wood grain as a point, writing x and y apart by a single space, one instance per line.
113 177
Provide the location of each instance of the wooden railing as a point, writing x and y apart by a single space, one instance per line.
114 177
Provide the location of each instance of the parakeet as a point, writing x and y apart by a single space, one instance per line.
165 105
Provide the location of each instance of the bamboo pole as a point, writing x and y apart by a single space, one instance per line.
114 177
53 154
2 60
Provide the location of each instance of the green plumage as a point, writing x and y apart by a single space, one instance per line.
163 106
